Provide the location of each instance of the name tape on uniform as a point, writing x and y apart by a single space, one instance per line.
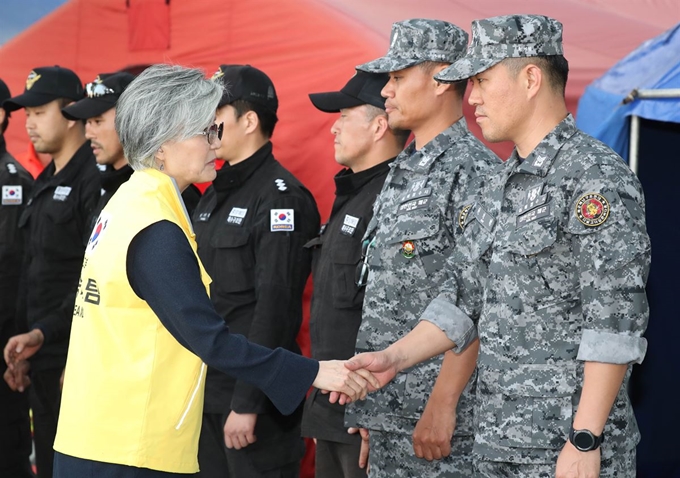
61 193
236 215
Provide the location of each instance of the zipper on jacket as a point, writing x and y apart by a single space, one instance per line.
191 400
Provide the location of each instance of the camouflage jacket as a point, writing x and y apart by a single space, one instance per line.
411 236
563 235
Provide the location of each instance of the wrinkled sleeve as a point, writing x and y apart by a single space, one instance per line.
163 270
607 221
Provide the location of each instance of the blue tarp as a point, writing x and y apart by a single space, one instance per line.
653 65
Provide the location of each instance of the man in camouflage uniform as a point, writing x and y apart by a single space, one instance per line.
406 247
562 226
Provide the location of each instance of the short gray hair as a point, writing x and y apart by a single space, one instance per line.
164 103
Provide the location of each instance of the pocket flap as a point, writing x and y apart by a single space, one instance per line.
415 226
236 237
533 237
539 380
346 252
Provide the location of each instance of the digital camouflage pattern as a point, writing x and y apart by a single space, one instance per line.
418 40
619 467
392 456
412 234
558 292
510 36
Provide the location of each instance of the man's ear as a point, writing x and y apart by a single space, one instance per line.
252 121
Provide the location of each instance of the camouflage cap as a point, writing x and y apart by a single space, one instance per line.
510 36
418 40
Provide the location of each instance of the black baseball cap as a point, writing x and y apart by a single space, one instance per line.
4 93
244 82
46 84
101 95
362 89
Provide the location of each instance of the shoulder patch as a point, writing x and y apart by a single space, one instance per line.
592 209
280 184
12 195
282 220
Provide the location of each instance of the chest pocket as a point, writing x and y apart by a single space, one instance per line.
543 258
346 255
60 227
234 269
423 231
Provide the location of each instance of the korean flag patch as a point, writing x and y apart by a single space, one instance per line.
282 220
11 196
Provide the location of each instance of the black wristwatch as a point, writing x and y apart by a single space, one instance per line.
585 440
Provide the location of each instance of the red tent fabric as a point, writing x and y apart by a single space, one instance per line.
305 46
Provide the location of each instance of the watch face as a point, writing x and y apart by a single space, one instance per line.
584 440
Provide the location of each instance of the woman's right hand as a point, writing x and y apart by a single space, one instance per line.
333 376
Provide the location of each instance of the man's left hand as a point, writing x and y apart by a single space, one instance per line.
239 430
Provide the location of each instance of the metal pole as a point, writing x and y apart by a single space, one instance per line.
634 143
663 93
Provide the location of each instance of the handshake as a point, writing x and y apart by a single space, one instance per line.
353 379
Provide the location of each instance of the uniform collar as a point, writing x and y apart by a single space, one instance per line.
230 177
347 182
113 178
422 159
543 155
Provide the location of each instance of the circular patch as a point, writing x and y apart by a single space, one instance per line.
462 217
592 209
408 249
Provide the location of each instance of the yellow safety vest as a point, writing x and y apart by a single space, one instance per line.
132 394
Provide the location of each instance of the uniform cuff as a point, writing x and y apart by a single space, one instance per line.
458 327
608 347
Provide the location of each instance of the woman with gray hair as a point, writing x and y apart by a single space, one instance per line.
143 325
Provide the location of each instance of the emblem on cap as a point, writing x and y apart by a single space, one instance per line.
218 74
462 217
592 209
32 78
408 249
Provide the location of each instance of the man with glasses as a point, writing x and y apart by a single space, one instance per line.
55 220
365 145
251 226
412 235
15 184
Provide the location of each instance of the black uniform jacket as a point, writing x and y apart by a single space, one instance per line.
251 226
111 180
337 301
55 220
15 185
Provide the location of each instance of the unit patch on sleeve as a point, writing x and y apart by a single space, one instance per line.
236 216
592 209
11 196
282 220
349 225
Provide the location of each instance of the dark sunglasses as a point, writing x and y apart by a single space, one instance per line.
212 132
361 273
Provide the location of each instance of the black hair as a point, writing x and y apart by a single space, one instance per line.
555 68
266 118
